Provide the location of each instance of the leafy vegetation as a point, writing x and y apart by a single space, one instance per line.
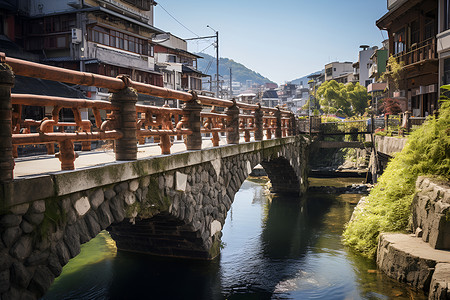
343 99
387 208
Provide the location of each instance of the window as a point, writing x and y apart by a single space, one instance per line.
446 15
399 41
430 25
415 33
120 40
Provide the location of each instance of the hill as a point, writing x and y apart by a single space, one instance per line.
240 72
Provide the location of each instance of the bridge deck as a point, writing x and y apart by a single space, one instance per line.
42 164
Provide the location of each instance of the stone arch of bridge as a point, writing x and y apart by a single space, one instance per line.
199 200
192 202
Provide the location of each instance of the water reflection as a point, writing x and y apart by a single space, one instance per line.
280 248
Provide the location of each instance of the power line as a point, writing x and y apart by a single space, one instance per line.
159 3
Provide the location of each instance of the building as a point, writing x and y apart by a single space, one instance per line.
412 27
443 42
270 98
364 64
178 66
336 69
378 62
105 37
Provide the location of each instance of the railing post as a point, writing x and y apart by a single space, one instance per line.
386 122
278 131
125 99
292 125
6 147
408 121
233 131
193 109
372 124
259 132
66 155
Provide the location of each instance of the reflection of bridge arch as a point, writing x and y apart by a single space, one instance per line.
170 205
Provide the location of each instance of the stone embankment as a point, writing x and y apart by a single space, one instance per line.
422 259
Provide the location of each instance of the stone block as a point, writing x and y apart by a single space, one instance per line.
408 259
19 209
216 226
37 258
11 235
440 282
97 198
129 197
41 281
133 185
82 206
33 218
180 181
169 180
22 248
20 275
109 193
10 220
4 281
430 212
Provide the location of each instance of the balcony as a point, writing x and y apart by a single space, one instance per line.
418 52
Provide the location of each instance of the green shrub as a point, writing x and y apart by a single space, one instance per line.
387 209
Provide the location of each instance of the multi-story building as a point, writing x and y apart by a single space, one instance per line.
364 63
412 27
106 37
336 69
178 66
443 42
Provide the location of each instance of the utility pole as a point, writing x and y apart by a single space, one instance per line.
217 54
231 84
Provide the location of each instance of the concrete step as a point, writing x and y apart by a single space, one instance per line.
409 259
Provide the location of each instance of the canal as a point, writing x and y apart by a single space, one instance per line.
274 247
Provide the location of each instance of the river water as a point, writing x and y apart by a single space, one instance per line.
275 247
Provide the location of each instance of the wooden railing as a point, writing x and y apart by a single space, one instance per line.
425 50
123 120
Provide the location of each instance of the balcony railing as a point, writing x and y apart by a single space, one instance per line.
418 52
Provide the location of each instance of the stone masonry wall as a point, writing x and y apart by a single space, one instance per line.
431 212
179 202
422 259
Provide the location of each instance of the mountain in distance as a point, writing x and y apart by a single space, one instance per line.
240 73
304 80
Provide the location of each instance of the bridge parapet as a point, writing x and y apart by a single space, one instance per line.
121 120
166 205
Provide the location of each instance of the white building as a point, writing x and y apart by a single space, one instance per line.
365 63
336 69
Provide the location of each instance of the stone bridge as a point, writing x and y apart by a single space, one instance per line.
171 205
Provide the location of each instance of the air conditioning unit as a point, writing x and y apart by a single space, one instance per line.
77 36
422 90
432 88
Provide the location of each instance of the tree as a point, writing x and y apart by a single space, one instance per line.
333 97
358 96
394 72
391 107
349 99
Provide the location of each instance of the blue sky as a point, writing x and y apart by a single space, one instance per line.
281 40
